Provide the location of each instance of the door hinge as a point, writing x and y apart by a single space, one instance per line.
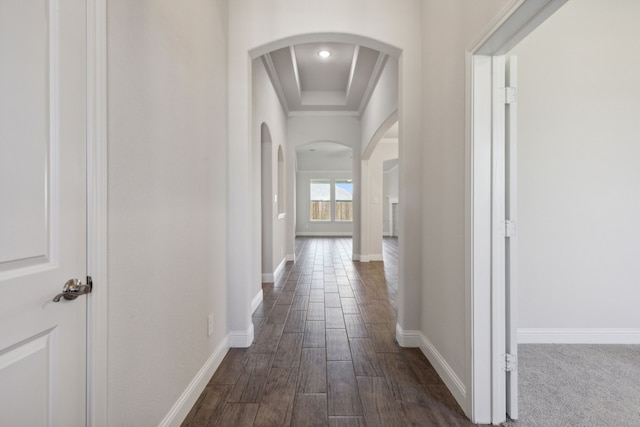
510 362
90 282
510 95
509 228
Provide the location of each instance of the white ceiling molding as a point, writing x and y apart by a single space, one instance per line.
343 81
375 75
275 81
340 113
356 51
296 73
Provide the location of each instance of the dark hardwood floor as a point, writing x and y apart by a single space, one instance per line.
325 352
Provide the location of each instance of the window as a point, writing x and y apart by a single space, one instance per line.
344 200
320 197
326 198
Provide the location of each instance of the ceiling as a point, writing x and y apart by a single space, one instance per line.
306 82
324 156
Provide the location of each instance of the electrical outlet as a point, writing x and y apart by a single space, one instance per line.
210 324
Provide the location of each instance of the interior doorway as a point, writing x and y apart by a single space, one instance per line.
487 229
578 168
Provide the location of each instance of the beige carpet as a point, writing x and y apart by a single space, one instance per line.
578 385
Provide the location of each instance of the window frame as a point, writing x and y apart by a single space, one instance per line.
332 200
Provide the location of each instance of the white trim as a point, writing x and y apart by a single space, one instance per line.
189 396
279 268
241 339
578 336
97 314
386 234
513 23
256 301
275 81
327 171
271 277
291 257
355 257
324 233
446 372
376 257
300 113
373 81
407 338
363 258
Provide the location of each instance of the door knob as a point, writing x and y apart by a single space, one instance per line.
73 289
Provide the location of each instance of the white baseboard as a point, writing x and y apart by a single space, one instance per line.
448 375
376 257
291 257
279 268
241 339
407 338
190 395
363 258
578 336
271 277
386 234
355 257
255 302
324 233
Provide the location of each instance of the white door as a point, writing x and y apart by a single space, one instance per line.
511 289
42 212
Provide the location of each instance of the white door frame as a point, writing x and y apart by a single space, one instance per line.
97 314
484 269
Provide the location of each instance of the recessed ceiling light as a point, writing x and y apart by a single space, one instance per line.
324 53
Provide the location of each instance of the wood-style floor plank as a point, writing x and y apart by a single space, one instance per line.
333 318
295 321
346 422
313 371
278 314
316 311
238 414
269 337
379 406
208 405
342 393
355 326
288 353
365 359
310 410
249 386
314 334
325 353
276 407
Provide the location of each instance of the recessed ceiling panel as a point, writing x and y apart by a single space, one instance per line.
324 74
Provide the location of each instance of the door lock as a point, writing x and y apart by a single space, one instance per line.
73 289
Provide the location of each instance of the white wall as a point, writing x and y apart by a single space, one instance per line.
578 173
376 201
448 28
389 191
382 106
306 227
256 27
166 209
267 110
339 129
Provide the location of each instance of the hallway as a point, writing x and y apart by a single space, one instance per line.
325 352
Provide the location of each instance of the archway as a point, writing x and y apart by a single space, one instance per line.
249 41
